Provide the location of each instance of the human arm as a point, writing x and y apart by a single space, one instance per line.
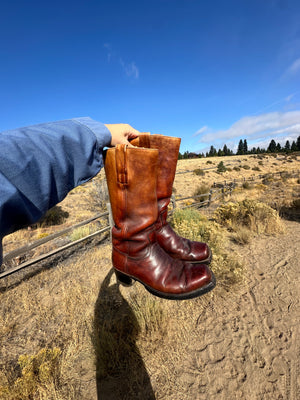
40 164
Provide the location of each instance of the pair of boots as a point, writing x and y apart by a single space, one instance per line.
145 248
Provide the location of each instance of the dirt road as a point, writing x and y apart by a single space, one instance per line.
249 347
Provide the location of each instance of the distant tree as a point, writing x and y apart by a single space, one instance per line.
225 150
245 146
287 146
212 152
240 149
294 146
278 147
220 153
272 146
180 157
298 143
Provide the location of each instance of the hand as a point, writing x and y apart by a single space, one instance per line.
121 133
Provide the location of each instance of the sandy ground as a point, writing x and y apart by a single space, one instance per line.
249 345
244 345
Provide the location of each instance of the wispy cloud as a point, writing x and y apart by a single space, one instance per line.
292 70
258 128
201 130
129 68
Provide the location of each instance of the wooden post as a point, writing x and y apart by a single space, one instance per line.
209 197
173 201
110 218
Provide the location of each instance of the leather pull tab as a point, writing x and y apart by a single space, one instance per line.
144 140
121 165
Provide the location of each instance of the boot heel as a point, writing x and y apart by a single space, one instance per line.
124 279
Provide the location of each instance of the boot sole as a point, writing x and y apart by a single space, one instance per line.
129 281
207 261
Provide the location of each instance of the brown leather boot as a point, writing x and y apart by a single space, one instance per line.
175 245
132 180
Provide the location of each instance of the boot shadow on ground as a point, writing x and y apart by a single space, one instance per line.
120 370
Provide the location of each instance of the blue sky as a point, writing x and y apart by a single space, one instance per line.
210 72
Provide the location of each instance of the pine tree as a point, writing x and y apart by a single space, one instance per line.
272 146
294 146
245 146
298 143
278 147
287 146
240 149
212 152
225 150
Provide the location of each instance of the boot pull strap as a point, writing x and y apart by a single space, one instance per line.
121 164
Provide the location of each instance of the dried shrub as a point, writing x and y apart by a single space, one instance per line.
199 171
38 373
191 224
246 185
55 216
202 191
256 216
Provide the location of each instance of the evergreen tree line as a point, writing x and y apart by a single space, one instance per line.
243 149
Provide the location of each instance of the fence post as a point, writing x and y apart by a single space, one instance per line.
209 197
173 201
110 218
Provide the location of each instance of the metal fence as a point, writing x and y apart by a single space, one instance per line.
218 192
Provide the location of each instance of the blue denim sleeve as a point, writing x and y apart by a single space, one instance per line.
40 164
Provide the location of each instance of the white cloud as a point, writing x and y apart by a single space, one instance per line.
201 130
257 129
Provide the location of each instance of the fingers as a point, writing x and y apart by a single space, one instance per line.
122 133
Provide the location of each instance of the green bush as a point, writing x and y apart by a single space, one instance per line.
221 167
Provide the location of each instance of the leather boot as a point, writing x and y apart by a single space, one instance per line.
132 180
175 245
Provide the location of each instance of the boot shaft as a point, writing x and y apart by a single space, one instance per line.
131 174
168 150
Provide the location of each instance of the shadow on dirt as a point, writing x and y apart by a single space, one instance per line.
121 373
